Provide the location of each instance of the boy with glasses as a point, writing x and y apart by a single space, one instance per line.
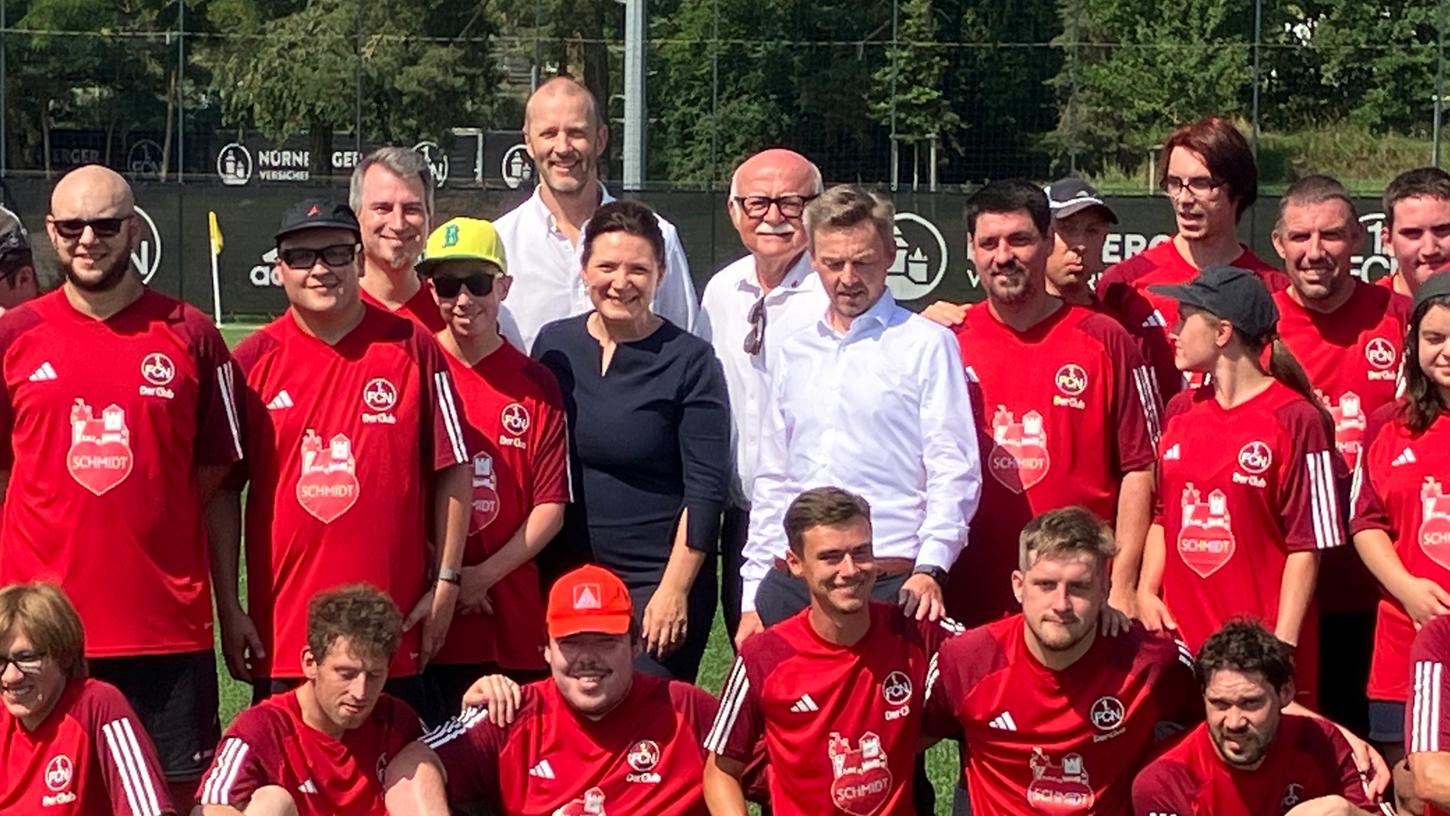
352 424
520 480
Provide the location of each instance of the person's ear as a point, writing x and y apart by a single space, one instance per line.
795 562
502 284
1019 584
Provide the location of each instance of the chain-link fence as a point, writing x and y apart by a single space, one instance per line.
922 94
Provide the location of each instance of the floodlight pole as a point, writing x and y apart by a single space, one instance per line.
1439 88
634 91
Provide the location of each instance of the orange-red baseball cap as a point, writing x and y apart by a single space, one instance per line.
589 599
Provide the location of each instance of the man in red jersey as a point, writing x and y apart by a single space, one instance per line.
1417 227
1053 717
69 745
1427 722
121 411
1346 334
1067 409
836 690
1250 757
1208 170
595 737
519 476
352 423
320 750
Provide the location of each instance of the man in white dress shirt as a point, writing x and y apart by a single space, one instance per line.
869 399
749 307
565 136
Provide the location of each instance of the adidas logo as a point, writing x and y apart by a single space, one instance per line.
45 372
543 770
805 705
1004 722
282 400
1173 453
1406 457
1155 320
308 787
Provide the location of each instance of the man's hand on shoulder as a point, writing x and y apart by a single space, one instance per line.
945 313
498 695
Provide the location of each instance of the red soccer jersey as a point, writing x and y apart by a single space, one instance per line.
844 720
645 756
1238 490
108 421
342 444
1059 742
1401 481
421 308
270 744
90 757
1308 759
522 463
1123 288
1063 410
1427 722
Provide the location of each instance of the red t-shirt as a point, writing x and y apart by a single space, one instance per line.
342 442
1402 481
522 463
1238 490
645 756
1427 723
270 744
108 421
1123 288
1059 742
89 757
1308 759
844 720
421 308
1063 410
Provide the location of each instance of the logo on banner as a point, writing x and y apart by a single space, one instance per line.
517 168
590 804
100 449
861 778
147 256
485 494
234 164
437 159
1205 538
1059 788
921 258
1349 426
144 158
1019 457
1435 522
327 486
1376 262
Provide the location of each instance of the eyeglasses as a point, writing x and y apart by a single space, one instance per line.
26 662
791 206
72 229
755 341
449 286
305 258
1198 186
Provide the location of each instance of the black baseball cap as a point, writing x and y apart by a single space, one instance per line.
1234 294
14 241
317 213
1437 285
1070 196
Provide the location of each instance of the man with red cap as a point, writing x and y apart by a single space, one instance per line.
595 736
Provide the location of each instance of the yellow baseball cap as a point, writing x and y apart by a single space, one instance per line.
463 239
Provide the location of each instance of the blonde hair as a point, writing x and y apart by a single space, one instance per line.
1064 532
847 205
46 617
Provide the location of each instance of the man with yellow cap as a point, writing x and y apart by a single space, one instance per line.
520 473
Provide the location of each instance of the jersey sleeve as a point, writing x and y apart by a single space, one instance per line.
1179 404
1181 694
252 407
250 757
12 324
740 723
126 756
549 467
704 440
446 434
1427 727
1313 490
1137 407
1370 512
469 746
1164 788
1351 782
950 676
218 418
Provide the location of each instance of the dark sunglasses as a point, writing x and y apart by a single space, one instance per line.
449 286
304 258
755 341
72 229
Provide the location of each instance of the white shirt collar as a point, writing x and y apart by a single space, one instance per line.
794 276
873 319
542 212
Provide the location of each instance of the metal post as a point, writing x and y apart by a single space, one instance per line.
634 101
357 80
1072 92
534 75
4 78
1258 36
931 171
181 92
1439 87
895 164
714 95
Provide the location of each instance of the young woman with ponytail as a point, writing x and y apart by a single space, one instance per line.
1250 488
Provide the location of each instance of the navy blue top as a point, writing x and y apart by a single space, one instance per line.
647 439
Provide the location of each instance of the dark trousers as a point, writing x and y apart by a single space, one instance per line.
684 662
734 528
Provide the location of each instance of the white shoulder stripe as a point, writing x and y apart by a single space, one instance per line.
131 767
224 381
217 790
449 409
1324 501
1425 713
455 727
933 671
733 697
1147 386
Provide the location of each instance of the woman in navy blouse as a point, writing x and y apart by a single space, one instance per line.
649 439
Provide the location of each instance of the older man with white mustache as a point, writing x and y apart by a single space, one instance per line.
748 308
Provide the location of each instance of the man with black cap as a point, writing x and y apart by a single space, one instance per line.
17 266
1066 409
352 423
121 416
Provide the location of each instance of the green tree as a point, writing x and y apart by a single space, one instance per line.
908 93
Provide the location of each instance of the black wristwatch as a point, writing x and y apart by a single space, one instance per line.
937 574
